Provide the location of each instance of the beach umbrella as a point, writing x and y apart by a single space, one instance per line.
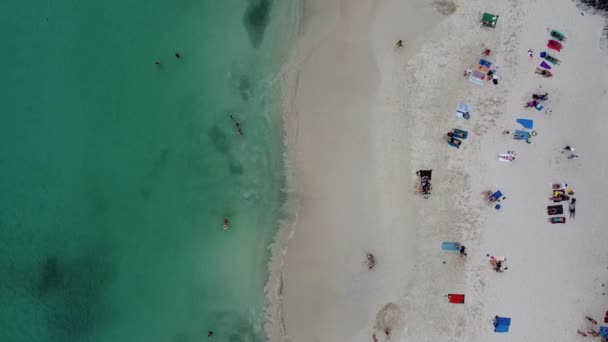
527 123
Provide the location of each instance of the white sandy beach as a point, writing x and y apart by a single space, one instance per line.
364 116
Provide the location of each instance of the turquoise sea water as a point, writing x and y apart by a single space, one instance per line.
116 174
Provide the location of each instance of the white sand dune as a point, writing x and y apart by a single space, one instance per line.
365 116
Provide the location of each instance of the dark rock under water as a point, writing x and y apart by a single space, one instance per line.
256 20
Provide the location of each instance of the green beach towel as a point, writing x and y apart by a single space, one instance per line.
489 20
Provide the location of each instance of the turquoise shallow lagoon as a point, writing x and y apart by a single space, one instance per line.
116 173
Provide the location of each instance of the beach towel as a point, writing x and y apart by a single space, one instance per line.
521 135
551 59
544 64
604 332
554 220
456 298
502 324
450 246
478 77
526 123
463 110
489 20
485 63
506 157
554 45
558 35
555 209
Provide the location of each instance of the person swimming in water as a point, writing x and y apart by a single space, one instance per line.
239 129
226 223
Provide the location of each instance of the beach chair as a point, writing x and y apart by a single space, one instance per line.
456 298
489 20
502 324
558 35
555 209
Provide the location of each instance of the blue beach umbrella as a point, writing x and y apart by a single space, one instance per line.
527 123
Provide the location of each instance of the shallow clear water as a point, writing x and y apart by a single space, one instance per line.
116 174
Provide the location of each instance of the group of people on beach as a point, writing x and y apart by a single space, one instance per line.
497 263
491 74
570 150
591 329
370 261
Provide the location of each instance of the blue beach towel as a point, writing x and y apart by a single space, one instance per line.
604 332
450 246
485 63
502 324
527 123
521 135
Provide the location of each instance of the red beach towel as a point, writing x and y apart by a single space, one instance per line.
456 298
555 45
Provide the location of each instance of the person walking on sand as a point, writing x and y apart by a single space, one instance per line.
530 54
468 71
572 209
591 320
400 43
462 250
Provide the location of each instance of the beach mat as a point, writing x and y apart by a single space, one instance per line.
450 246
555 209
502 324
544 64
521 135
456 298
506 157
554 45
554 220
